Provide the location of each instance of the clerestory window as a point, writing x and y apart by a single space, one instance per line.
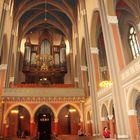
133 42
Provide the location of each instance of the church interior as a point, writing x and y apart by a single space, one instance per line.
67 65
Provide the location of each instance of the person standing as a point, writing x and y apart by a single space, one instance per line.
106 133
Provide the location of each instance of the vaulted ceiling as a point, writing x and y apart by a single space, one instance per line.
39 15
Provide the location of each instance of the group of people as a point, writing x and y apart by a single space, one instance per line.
106 133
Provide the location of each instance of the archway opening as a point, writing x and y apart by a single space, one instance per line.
68 120
18 122
44 120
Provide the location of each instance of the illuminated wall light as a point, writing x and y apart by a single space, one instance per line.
14 111
106 83
66 116
72 110
21 117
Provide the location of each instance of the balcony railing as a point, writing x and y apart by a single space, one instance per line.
41 86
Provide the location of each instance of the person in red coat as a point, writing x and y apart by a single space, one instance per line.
106 133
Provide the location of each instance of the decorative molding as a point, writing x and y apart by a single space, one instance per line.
132 112
84 68
76 79
133 69
112 19
42 99
12 79
3 66
94 50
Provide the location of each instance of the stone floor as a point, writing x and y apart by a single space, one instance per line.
67 137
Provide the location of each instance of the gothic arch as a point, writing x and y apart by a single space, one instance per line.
17 104
132 95
74 105
103 111
48 105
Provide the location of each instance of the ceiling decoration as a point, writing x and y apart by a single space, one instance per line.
38 15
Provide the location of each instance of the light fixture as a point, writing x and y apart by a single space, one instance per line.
66 116
44 115
45 10
14 111
21 117
106 83
72 110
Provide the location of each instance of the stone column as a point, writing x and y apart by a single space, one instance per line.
3 68
32 129
2 23
95 61
79 75
115 63
84 79
5 129
9 59
56 127
133 124
90 71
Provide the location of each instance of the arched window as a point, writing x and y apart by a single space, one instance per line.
45 47
133 42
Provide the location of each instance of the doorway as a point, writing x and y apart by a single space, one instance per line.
44 118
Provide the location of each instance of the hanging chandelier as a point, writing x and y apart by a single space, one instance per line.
105 83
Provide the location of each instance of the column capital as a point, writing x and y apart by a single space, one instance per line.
75 35
32 121
6 7
112 19
89 83
56 120
83 12
3 66
76 79
12 79
132 112
110 117
84 68
13 32
94 50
